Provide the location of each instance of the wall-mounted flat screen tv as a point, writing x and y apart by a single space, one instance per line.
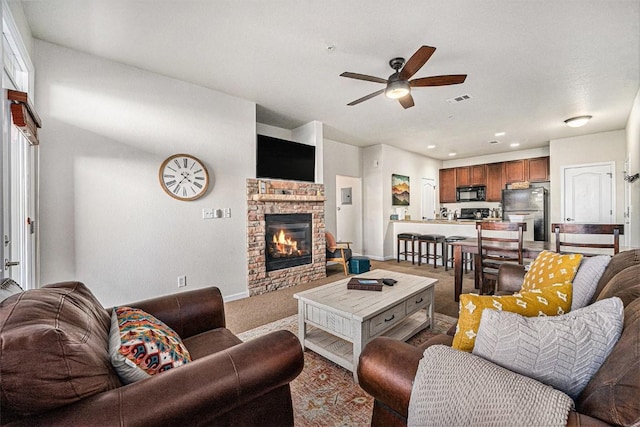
280 159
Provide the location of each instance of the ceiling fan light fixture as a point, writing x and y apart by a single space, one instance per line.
576 122
397 89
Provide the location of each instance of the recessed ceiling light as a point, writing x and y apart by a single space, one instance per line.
452 154
500 134
576 122
431 146
514 144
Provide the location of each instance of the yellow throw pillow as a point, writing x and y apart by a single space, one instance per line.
549 268
550 301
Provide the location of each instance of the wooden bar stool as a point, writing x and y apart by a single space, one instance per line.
467 258
407 238
431 239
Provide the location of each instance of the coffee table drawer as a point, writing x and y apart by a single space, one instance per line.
420 300
386 319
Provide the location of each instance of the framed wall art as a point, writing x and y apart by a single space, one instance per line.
399 190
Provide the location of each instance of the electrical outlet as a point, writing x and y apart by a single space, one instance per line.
227 212
182 281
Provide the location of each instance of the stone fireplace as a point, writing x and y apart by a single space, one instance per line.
285 234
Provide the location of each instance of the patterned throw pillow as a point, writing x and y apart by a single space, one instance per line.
550 301
560 351
141 345
549 268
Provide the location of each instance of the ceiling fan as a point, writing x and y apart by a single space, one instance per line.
398 84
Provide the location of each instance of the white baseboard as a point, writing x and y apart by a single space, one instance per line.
380 258
234 297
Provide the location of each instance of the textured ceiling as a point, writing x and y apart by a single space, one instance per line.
530 64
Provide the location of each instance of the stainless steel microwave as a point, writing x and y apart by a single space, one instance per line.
471 194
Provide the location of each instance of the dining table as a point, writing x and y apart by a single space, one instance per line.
530 250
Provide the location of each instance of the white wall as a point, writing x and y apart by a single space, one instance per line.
311 133
339 159
274 131
495 158
372 206
17 12
105 220
379 163
593 148
633 153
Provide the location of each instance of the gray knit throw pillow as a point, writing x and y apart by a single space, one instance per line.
561 351
586 280
8 287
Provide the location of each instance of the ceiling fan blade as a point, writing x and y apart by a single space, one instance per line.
406 101
364 98
416 62
452 79
364 77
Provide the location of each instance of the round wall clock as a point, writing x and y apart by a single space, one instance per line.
184 177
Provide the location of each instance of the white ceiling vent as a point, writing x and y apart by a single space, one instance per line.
459 98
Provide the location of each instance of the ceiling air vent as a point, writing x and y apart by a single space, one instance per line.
459 98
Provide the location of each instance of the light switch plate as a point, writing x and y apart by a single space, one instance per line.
207 213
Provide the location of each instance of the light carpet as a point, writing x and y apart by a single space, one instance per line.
325 394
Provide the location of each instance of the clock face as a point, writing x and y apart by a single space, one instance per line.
184 177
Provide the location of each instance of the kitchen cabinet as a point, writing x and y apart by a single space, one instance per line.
463 177
495 176
495 183
478 176
532 170
470 175
538 169
448 185
515 171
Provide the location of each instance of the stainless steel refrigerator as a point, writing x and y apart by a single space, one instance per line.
533 202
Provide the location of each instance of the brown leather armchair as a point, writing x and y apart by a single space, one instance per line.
227 383
388 367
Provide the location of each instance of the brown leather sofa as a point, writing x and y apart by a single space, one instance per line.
387 367
55 369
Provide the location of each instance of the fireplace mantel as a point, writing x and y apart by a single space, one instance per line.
286 198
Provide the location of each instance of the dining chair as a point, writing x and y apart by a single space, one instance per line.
498 243
339 252
563 230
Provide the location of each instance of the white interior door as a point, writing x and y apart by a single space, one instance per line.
428 207
628 228
588 193
19 188
349 211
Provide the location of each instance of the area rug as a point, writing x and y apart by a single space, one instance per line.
325 394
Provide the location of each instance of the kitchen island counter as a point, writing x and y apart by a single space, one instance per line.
465 228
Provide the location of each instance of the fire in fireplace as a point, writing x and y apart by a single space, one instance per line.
288 240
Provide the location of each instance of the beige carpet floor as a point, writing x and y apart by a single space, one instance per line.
248 313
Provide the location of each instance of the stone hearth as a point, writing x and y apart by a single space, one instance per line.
282 197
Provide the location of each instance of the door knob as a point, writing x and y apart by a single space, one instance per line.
569 219
8 263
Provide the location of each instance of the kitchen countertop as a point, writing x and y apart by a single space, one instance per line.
442 221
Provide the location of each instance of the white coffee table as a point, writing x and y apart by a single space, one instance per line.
344 320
